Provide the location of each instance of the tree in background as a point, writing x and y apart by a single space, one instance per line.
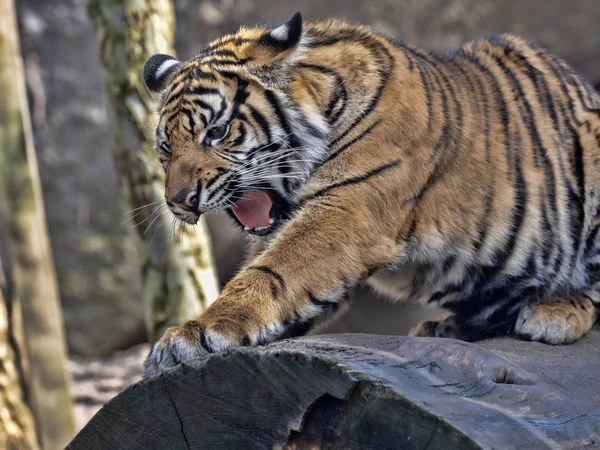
34 291
178 276
17 429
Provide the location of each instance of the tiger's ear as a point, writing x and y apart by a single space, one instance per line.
285 37
276 52
157 71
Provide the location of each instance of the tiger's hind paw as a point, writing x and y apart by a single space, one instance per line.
556 322
444 327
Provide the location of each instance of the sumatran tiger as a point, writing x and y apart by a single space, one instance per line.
468 179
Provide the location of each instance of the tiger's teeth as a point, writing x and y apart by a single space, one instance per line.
271 221
253 229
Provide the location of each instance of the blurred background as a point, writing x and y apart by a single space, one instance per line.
97 254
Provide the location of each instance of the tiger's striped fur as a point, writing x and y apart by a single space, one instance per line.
469 179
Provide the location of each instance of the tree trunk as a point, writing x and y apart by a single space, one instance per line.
17 429
178 275
33 285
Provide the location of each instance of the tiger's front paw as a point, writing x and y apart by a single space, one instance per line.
190 341
244 314
207 335
177 345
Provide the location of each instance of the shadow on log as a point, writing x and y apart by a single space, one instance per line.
363 391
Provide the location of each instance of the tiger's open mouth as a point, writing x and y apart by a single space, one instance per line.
258 212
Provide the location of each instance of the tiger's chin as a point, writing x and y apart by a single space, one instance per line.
189 217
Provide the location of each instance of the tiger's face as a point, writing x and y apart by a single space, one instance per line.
225 135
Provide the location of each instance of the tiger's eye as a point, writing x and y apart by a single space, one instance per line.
217 132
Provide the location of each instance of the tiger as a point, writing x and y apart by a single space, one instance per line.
467 179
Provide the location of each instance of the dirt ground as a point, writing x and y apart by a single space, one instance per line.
95 380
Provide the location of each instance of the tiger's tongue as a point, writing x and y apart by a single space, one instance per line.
253 209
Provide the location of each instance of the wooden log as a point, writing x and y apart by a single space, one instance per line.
363 391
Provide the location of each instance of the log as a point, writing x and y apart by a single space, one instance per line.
363 391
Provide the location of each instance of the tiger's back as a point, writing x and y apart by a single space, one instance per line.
467 179
515 217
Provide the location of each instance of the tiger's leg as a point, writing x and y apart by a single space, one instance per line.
308 267
557 321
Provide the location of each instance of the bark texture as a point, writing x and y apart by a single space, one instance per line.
33 285
178 275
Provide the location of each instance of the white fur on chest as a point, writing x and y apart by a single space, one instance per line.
425 272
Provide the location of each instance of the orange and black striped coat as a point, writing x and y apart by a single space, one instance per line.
468 179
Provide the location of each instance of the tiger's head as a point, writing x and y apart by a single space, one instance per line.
229 135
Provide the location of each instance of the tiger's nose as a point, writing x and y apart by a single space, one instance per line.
186 199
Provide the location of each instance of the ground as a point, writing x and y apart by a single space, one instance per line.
95 380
